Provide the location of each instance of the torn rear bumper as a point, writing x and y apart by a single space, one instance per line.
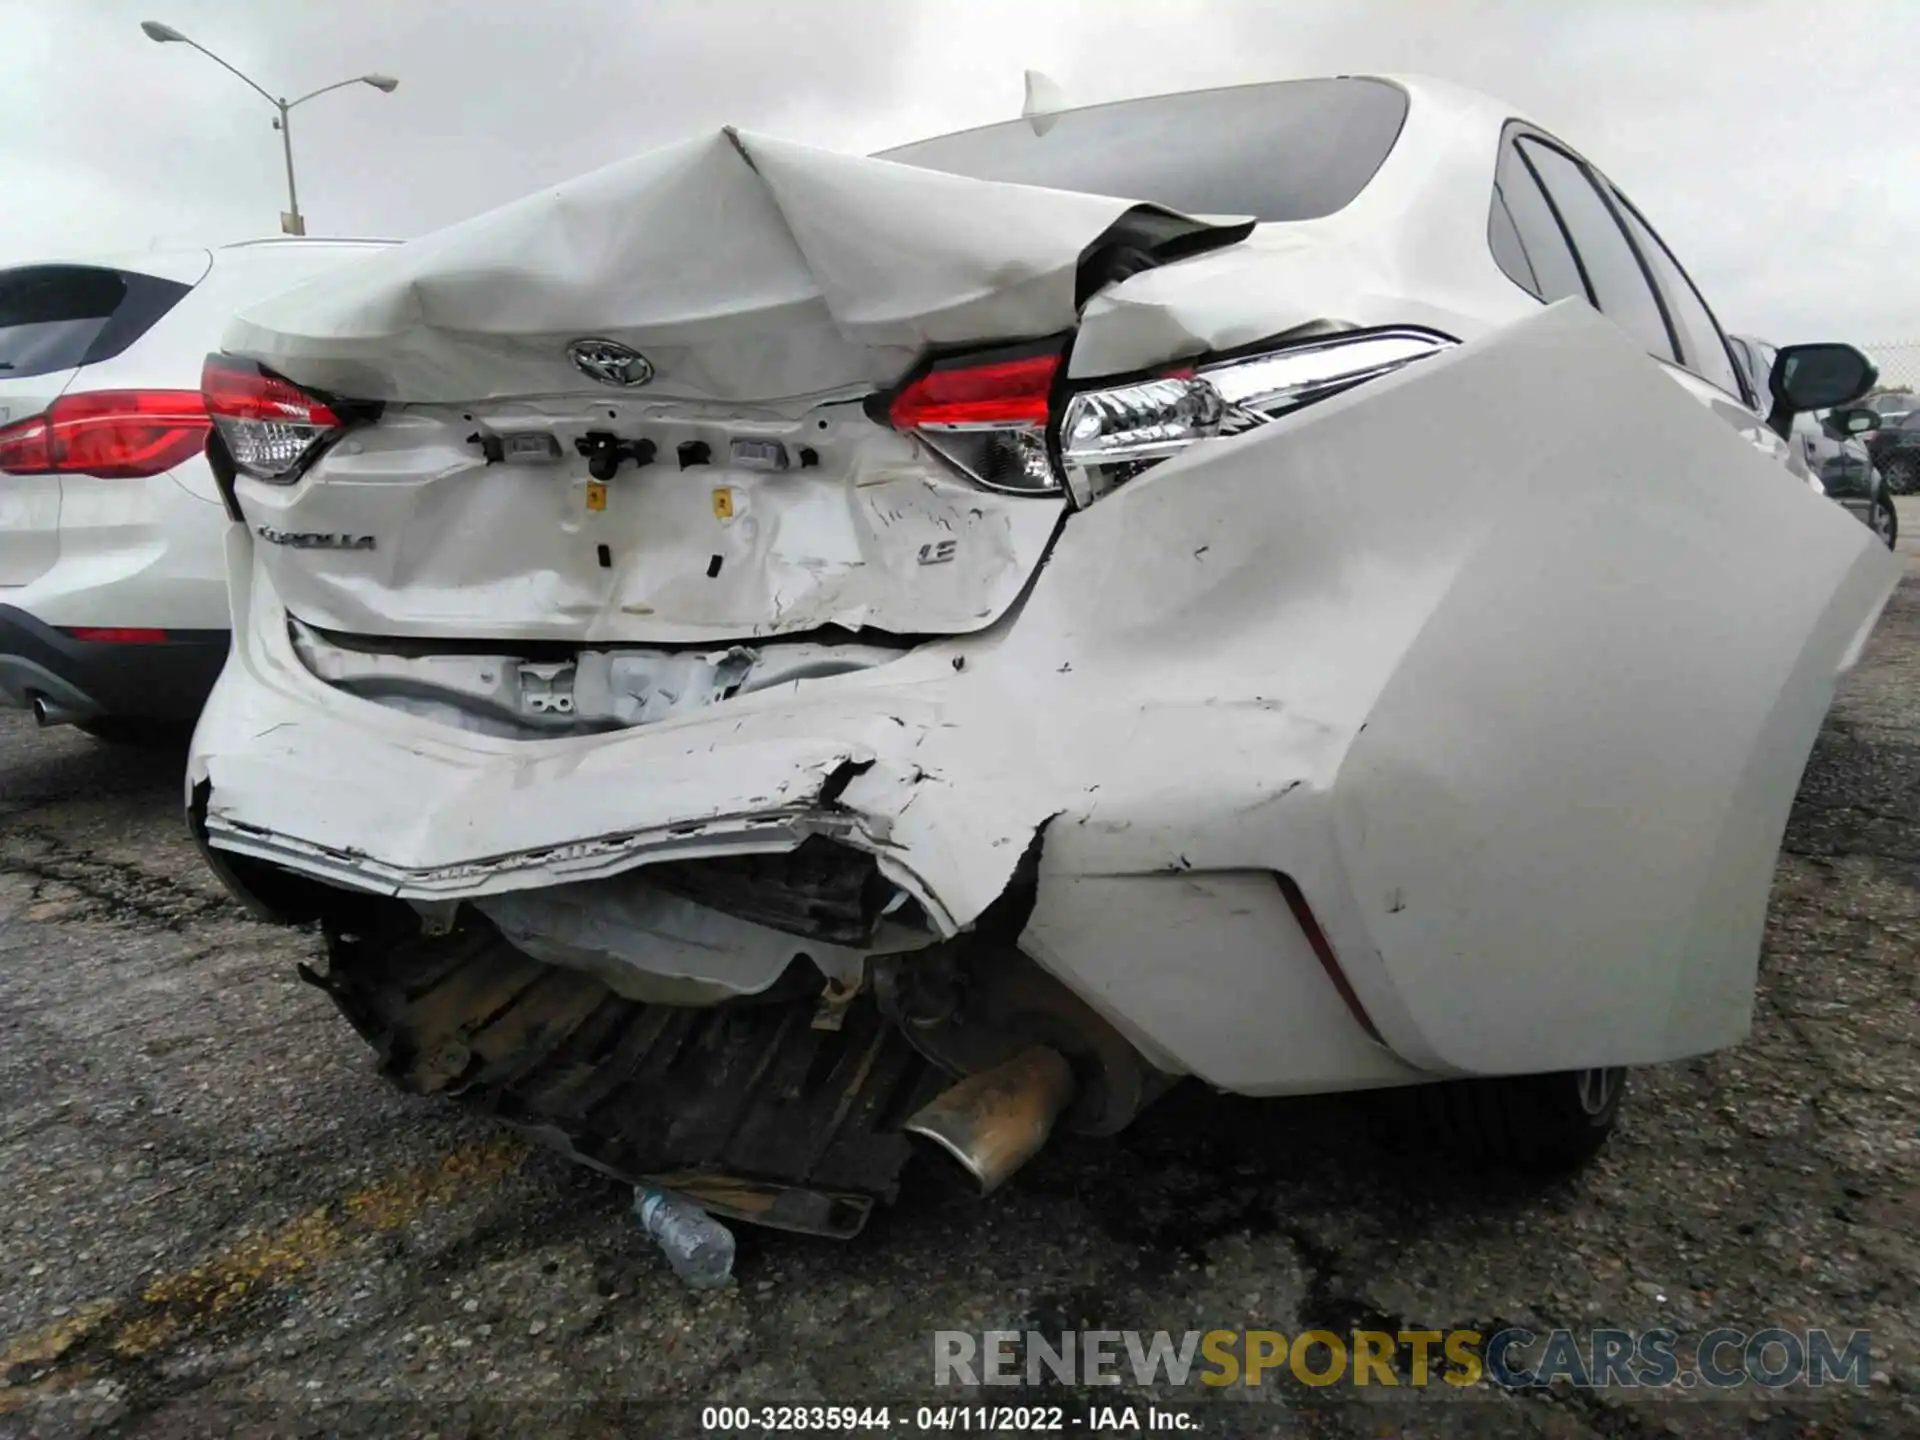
460 816
1514 716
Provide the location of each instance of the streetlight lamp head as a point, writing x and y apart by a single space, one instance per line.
161 33
384 83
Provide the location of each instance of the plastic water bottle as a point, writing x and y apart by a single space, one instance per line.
699 1247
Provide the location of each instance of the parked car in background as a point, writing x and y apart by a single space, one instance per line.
1890 405
885 655
1895 447
1833 444
113 594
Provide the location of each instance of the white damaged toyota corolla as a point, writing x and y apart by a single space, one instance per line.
759 659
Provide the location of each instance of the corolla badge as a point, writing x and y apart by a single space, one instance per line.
315 539
610 362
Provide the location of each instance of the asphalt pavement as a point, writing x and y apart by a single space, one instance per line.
215 1217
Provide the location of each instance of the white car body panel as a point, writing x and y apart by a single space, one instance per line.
29 504
32 506
1411 249
143 551
1517 695
841 543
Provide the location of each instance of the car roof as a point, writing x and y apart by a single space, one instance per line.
188 264
274 241
183 264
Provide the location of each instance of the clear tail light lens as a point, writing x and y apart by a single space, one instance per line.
1108 436
113 434
1274 383
272 427
1121 431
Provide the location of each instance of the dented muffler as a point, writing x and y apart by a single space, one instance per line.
992 1123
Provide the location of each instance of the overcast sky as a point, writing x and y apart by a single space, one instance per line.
1775 145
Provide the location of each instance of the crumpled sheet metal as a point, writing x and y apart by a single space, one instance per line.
745 267
1517 691
652 946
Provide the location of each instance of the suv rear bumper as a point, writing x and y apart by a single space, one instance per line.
91 679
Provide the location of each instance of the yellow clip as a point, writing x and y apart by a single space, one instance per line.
723 503
596 495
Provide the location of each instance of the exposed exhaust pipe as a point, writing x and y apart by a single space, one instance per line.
51 712
994 1122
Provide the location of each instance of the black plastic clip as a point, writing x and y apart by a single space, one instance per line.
605 451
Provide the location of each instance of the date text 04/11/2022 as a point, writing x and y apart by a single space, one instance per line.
1092 1419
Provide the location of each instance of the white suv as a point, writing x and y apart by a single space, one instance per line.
113 597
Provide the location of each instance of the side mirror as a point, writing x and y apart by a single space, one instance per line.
1816 377
1856 421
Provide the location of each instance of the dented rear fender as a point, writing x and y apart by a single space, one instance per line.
1515 695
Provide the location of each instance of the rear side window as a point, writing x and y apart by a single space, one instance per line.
1620 286
1748 362
59 317
1705 352
1526 238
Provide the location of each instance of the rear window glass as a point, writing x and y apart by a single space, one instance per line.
1295 150
58 317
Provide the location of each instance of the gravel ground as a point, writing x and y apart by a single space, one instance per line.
216 1218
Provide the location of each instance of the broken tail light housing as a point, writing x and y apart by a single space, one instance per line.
113 434
986 415
1010 422
273 429
1108 435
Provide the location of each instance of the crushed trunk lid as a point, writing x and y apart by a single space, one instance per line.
628 410
745 268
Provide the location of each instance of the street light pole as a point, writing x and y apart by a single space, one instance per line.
291 222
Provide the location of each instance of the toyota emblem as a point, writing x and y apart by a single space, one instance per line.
610 362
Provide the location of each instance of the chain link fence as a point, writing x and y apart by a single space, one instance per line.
1899 362
1898 392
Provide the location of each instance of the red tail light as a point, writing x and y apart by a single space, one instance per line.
995 392
272 427
115 434
987 416
23 448
119 634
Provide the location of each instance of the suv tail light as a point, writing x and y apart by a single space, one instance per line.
1010 423
114 434
118 634
272 428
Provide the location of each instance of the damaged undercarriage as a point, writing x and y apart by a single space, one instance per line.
793 1100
